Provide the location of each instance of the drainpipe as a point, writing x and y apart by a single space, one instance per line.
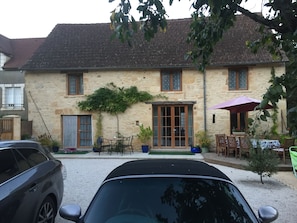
204 99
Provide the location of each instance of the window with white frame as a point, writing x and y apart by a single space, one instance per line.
12 96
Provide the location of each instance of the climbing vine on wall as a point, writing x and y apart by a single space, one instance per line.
114 100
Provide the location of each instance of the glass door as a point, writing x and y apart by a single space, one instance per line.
77 131
238 122
171 126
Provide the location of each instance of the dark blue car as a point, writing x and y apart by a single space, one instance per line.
31 183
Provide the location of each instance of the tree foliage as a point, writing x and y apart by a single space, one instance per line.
264 162
210 19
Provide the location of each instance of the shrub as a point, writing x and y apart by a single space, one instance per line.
264 162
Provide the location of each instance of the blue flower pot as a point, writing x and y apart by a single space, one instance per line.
195 150
145 148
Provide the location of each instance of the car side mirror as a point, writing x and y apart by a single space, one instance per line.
267 214
71 212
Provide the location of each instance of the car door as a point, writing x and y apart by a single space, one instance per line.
23 192
13 186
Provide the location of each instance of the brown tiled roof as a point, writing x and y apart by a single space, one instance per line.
89 46
21 51
232 49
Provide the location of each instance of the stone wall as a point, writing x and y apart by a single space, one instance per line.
48 99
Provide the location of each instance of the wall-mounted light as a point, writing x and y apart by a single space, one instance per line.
213 118
137 122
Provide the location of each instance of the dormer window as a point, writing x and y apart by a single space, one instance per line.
3 60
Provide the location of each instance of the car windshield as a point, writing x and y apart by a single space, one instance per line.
168 200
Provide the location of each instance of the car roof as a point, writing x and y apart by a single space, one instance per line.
8 143
166 167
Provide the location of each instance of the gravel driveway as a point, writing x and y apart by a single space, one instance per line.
85 175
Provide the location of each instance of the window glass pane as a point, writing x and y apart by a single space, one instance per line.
165 82
75 84
232 80
242 79
9 95
80 85
72 85
173 200
8 168
176 81
18 96
33 156
21 161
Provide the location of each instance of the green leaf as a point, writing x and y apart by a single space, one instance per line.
263 118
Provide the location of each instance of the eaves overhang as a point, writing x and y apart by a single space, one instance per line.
171 102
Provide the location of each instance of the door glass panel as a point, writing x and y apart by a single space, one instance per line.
69 131
179 126
85 130
165 126
190 126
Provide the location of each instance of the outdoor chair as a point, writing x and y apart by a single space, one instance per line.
293 155
244 146
221 146
127 143
231 146
217 143
283 151
104 144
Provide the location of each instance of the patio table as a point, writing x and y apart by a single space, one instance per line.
117 145
266 143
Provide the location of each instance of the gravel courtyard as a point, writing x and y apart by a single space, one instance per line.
85 175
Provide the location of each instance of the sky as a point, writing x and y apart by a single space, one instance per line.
37 18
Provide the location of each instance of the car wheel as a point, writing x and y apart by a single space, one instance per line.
47 211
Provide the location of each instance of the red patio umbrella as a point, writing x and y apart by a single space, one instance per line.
240 104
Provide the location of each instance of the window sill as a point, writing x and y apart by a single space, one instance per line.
12 109
74 96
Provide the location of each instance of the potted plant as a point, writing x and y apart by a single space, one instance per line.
95 147
145 135
203 140
45 141
55 145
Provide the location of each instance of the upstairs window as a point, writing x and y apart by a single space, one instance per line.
75 84
238 79
171 80
12 96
